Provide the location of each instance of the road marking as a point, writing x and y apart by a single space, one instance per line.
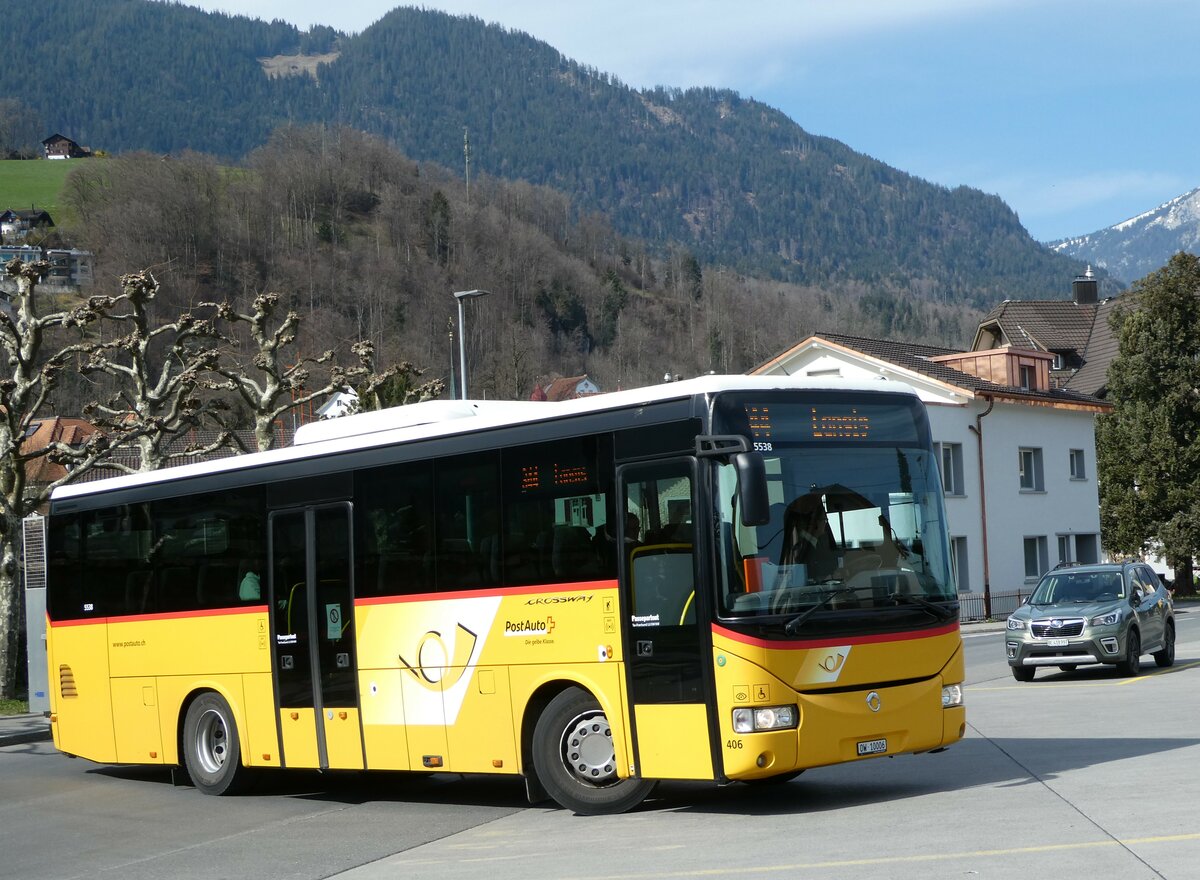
902 860
1059 685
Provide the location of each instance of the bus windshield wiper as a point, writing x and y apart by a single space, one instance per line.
938 611
793 626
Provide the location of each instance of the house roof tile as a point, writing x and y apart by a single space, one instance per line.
1044 325
916 358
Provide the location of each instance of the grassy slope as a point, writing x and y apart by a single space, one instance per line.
35 183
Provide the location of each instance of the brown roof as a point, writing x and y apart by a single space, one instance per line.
42 433
916 357
1042 325
564 389
1102 348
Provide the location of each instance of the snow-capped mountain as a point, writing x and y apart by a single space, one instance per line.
1142 244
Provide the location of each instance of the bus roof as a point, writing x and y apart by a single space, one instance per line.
437 418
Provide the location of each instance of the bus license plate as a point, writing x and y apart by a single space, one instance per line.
1057 643
872 747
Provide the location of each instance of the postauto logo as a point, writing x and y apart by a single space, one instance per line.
529 627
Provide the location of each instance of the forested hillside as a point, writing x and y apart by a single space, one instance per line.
733 181
367 244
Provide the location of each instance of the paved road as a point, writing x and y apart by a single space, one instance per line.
1076 775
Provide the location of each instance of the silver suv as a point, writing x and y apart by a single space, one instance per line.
1110 613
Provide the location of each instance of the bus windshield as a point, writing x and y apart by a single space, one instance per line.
857 525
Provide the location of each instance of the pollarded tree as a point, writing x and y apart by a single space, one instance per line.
1148 448
273 382
32 366
161 372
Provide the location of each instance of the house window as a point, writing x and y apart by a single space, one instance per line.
1028 377
1037 557
1065 556
1084 549
1087 549
1059 361
1030 462
958 563
1077 469
951 459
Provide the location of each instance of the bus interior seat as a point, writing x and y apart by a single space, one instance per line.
572 553
217 584
174 582
138 588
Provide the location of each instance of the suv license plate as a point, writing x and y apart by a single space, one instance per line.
1057 643
872 747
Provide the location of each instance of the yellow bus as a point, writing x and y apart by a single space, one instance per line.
729 578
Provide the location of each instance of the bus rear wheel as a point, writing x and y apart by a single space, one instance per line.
211 747
575 761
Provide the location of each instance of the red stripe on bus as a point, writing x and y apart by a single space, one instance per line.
794 644
578 587
172 615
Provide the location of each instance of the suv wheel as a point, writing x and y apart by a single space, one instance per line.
1132 664
1166 657
1024 673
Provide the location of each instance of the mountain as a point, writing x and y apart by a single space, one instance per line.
732 180
1142 244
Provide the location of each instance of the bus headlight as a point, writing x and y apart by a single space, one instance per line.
764 718
952 696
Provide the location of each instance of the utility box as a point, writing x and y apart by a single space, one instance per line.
34 534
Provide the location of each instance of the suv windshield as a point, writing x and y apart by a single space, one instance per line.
856 514
1079 586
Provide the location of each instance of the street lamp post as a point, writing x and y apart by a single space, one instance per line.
460 295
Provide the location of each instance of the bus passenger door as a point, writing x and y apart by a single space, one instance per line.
312 610
664 649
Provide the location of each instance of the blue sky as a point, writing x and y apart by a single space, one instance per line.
1077 113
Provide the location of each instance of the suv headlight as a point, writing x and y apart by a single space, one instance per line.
1113 617
764 718
1016 623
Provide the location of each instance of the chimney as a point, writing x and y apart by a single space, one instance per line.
1083 288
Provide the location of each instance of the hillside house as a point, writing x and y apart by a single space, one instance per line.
1017 455
70 268
565 389
16 225
59 146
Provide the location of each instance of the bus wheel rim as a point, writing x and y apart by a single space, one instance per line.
587 749
212 741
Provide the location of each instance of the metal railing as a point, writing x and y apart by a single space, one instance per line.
971 606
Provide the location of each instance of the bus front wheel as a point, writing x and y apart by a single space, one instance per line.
211 748
575 760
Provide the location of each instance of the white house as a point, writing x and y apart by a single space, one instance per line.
1017 457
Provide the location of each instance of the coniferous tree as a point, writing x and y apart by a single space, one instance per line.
1148 448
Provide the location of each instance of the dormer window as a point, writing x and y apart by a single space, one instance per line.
1059 362
1028 377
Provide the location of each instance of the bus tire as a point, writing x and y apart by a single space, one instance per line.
211 746
575 761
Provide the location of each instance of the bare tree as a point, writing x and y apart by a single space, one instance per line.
161 371
276 383
32 368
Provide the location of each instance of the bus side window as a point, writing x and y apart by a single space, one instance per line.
394 519
467 489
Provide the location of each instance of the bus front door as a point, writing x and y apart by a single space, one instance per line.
665 650
312 608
